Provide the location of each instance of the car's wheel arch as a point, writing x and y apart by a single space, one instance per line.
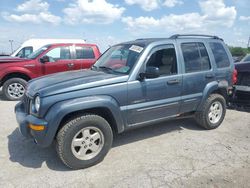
22 75
64 111
215 87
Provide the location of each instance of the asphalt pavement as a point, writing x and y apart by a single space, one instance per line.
171 154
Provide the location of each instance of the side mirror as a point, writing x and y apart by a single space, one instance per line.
151 72
44 59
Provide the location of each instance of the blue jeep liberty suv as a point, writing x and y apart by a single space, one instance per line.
132 84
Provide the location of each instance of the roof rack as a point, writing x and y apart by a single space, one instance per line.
150 38
193 35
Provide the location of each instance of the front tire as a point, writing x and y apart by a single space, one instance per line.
84 141
14 89
212 113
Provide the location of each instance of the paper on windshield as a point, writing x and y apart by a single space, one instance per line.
136 48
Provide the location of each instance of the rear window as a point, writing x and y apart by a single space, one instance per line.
220 55
195 57
84 53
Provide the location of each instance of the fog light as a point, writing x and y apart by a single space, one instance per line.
36 127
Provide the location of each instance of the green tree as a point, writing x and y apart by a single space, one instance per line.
238 51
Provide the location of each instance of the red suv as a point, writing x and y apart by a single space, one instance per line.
16 72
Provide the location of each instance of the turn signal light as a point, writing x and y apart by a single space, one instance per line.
36 127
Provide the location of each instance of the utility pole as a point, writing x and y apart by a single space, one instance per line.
11 45
248 44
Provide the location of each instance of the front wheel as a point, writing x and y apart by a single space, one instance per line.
14 89
84 141
212 113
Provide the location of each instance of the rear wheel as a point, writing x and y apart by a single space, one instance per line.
213 112
14 89
84 141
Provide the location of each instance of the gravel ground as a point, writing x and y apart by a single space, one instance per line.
171 154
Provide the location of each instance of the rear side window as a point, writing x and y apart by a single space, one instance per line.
84 53
220 55
195 57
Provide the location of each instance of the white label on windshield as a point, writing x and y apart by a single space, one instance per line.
135 48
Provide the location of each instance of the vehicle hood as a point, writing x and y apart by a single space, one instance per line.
71 81
9 59
242 67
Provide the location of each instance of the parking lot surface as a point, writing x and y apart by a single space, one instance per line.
171 154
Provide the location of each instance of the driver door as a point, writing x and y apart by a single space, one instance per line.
59 60
157 98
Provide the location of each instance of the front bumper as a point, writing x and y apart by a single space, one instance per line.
25 119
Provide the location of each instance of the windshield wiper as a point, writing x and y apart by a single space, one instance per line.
106 68
110 70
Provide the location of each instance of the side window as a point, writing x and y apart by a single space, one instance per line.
28 51
205 63
220 55
24 52
195 57
84 53
165 60
58 53
20 53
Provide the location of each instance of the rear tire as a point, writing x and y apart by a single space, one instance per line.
84 141
14 89
212 113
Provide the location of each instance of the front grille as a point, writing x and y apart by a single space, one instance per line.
26 102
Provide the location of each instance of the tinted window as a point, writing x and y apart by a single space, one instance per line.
220 55
205 63
28 51
84 53
58 53
195 57
165 60
24 52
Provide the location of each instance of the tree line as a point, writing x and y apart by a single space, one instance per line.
239 51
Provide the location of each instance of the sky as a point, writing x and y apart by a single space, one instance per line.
107 22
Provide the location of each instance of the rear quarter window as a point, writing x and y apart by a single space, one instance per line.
84 53
220 54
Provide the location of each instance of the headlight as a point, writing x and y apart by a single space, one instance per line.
37 103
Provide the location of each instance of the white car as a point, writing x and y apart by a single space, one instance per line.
32 45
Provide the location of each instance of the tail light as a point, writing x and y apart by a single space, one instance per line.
234 77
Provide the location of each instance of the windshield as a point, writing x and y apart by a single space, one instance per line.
119 59
36 53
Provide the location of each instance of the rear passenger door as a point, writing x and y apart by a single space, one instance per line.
197 73
84 57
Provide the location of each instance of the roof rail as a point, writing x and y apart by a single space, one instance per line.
193 35
150 38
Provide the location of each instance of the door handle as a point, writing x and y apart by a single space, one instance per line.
71 65
172 82
209 76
